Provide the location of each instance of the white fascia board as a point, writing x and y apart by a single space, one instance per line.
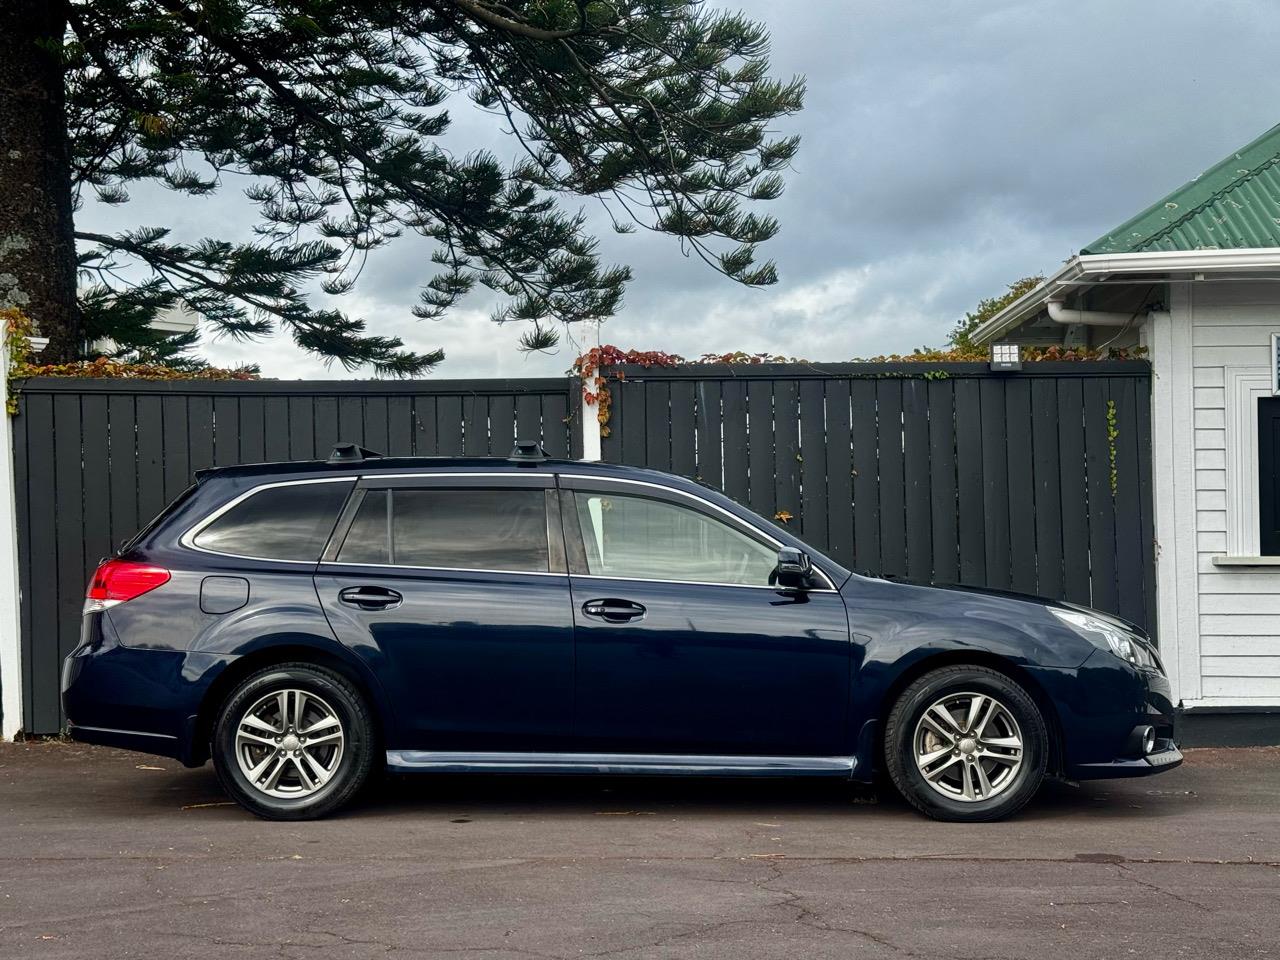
1095 266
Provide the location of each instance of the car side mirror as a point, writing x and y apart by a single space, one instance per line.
794 569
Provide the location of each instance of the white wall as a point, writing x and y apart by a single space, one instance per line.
10 638
1219 624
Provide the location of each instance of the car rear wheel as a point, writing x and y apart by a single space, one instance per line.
294 741
966 743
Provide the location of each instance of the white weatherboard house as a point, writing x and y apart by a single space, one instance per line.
1195 279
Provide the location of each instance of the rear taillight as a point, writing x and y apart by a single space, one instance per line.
116 581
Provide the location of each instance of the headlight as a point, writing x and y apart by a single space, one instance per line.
1105 635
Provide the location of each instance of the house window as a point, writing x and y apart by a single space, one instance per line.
1269 476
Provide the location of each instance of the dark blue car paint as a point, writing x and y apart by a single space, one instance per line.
507 662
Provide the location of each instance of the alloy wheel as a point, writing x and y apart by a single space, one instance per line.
968 746
289 743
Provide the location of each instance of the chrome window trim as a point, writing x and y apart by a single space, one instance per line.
188 539
738 521
409 566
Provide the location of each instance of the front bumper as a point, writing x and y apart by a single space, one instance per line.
1166 756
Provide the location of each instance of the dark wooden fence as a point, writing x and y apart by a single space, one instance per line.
1038 482
94 460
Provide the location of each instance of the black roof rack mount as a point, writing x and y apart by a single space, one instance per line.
528 451
351 453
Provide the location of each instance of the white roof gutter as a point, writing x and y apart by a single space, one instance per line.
1086 268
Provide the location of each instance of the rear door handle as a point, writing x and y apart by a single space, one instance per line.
370 598
612 610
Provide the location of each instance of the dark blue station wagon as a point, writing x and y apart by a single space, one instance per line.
305 623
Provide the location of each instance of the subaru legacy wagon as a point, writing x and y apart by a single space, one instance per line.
305 624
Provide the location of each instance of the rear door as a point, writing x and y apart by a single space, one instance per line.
454 589
682 645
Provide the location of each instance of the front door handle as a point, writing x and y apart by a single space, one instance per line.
370 598
612 610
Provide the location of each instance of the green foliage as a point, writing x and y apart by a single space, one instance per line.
334 113
960 336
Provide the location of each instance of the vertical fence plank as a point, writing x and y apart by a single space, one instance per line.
449 426
502 425
707 430
68 481
1102 531
814 510
684 437
175 455
302 429
1075 492
1022 510
839 457
971 528
253 439
426 438
96 458
944 510
866 476
41 650
1142 437
22 496
634 399
1129 600
200 428
915 449
761 447
275 428
555 434
326 425
736 440
995 483
375 424
1046 471
123 467
786 447
528 417
150 458
475 425
893 508
400 426
351 420
226 431
657 424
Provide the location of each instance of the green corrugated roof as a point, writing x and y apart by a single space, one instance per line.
1233 204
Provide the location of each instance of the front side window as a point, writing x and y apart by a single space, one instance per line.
646 539
458 529
289 522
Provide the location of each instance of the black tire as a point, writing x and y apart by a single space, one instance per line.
900 747
351 770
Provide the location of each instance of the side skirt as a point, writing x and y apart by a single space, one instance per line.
431 761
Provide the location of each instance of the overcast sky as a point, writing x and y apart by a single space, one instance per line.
949 147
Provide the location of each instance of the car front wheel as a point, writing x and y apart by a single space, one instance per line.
966 743
293 742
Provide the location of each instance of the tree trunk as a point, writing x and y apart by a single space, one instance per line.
37 240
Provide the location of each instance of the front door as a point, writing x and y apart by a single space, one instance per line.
683 647
454 590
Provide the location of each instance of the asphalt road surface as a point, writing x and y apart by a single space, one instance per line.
106 854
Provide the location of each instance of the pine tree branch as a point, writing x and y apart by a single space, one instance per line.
481 12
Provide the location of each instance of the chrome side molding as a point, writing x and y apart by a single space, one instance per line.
434 761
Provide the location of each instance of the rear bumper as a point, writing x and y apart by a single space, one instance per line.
160 744
132 698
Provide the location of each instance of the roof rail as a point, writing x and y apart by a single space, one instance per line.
528 451
351 453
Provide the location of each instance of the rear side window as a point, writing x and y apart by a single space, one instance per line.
289 522
458 529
